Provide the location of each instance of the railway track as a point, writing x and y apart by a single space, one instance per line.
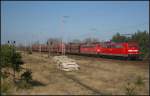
74 79
114 59
142 64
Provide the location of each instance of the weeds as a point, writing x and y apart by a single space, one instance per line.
4 75
24 85
26 77
139 81
30 52
5 87
130 89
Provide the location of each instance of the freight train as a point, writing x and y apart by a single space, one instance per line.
125 49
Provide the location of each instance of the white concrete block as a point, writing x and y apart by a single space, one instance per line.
65 63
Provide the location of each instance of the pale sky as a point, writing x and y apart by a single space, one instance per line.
29 21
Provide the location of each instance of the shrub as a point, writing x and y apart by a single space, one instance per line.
17 61
10 58
29 52
23 84
4 75
139 81
27 76
5 86
6 55
130 89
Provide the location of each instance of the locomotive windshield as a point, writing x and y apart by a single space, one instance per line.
133 45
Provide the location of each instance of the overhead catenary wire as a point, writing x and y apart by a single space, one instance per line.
112 30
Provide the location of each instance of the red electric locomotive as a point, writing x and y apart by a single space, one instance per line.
129 49
120 49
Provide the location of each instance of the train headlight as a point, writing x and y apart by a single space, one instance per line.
132 50
98 50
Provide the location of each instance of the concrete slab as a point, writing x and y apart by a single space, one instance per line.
65 63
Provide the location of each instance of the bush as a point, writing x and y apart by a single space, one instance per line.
130 89
24 85
5 86
25 81
6 55
10 58
139 81
27 76
4 75
30 52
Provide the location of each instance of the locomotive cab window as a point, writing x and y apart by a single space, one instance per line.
119 46
133 45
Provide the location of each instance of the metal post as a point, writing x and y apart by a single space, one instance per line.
13 51
14 63
31 47
63 45
62 38
48 49
40 44
40 50
25 48
52 48
31 42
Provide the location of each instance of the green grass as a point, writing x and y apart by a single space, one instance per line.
98 62
130 89
139 81
5 87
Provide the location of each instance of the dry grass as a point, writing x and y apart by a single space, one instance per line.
105 76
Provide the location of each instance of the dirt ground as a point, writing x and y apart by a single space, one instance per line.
102 76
